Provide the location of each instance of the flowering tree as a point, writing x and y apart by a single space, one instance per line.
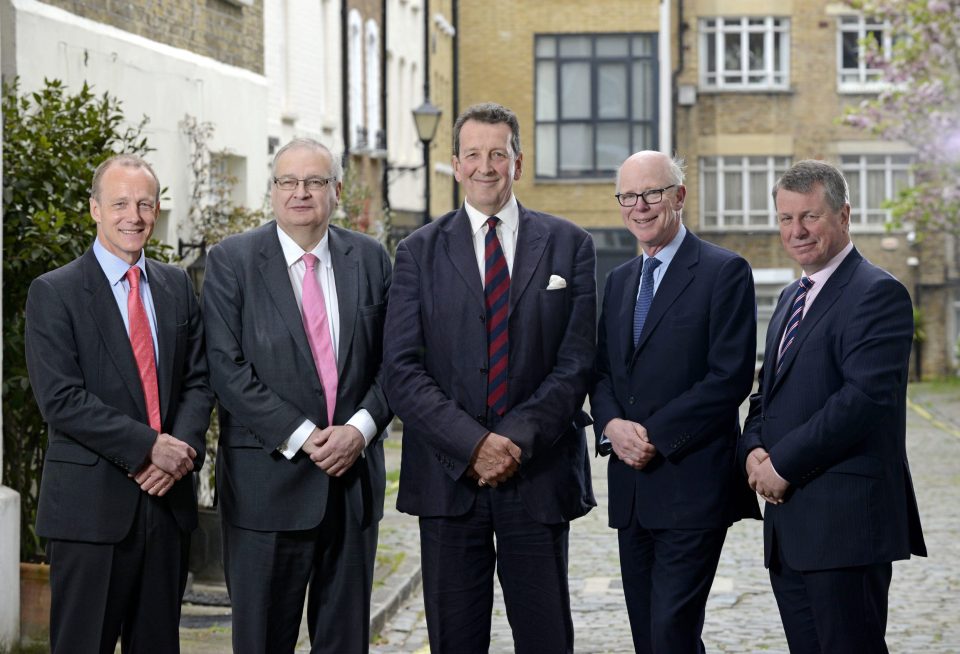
920 105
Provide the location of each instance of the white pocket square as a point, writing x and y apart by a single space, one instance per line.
556 282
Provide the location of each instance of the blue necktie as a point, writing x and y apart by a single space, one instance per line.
496 291
796 315
644 297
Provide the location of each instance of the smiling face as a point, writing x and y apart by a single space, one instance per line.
653 225
125 209
812 233
487 166
303 213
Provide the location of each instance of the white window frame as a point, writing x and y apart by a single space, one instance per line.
862 164
372 43
748 218
864 79
355 84
776 70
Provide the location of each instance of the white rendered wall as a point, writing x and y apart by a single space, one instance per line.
152 79
404 88
9 523
302 66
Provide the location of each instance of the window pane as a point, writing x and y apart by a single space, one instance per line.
612 91
711 53
642 46
576 148
546 46
613 46
901 181
643 138
710 193
547 150
575 46
546 90
758 190
575 83
876 188
613 145
731 52
756 52
643 91
733 188
851 49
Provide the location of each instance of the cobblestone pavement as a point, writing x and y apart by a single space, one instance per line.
741 612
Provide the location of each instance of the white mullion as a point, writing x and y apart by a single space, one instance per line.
745 190
744 51
721 192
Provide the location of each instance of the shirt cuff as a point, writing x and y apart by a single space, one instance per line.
363 422
292 445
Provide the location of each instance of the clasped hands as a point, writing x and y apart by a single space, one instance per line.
630 442
170 460
763 478
334 449
496 459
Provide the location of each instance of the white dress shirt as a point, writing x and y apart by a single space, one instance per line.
116 269
509 216
296 268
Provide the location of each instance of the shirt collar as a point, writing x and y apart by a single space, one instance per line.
509 215
669 251
821 276
114 267
292 253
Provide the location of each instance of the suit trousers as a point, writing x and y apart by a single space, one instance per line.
131 589
269 573
667 574
828 611
459 556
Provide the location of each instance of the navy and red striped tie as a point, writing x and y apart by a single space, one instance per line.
496 292
796 315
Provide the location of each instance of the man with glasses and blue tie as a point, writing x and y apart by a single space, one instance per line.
675 359
294 314
825 441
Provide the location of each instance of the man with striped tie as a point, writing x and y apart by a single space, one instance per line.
824 443
675 359
487 356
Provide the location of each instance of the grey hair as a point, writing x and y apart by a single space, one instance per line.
804 175
309 144
490 113
127 161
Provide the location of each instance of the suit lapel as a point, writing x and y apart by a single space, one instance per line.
678 276
105 314
532 241
164 308
821 306
273 270
458 242
346 273
628 303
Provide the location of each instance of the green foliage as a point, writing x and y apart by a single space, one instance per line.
52 143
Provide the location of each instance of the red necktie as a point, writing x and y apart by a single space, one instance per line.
496 291
142 343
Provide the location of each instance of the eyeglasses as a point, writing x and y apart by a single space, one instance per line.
653 196
310 183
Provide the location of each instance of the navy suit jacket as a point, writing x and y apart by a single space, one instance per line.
684 382
834 424
87 385
435 357
266 381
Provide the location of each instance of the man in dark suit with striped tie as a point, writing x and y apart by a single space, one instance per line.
488 349
675 359
824 443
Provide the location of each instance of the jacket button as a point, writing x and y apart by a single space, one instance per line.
483 371
632 400
483 318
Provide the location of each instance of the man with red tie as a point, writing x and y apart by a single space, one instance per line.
488 350
294 315
114 348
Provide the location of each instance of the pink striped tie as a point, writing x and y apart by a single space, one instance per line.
318 333
796 315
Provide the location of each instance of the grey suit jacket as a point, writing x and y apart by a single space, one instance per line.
266 381
87 386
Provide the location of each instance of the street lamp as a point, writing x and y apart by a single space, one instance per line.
198 266
427 118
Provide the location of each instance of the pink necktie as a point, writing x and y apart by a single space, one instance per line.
318 333
142 343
